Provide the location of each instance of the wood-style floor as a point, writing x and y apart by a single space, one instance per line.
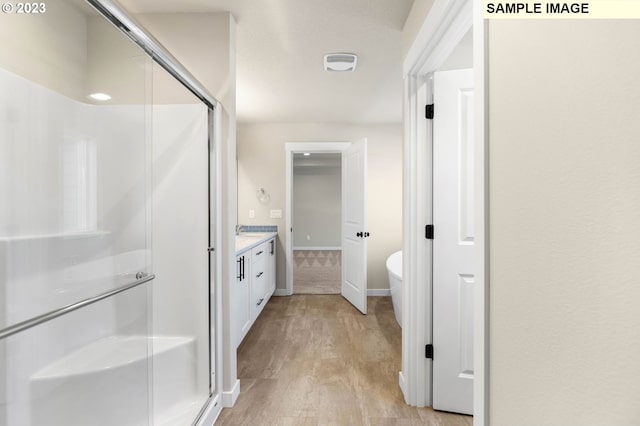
316 360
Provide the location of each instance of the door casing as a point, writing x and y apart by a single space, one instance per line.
292 148
444 27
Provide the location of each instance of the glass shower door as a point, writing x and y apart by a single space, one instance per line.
181 298
74 221
104 172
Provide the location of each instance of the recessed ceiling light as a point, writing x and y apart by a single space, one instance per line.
100 96
340 62
307 153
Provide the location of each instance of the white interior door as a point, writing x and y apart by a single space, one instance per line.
354 224
453 244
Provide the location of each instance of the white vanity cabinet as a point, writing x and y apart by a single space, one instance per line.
255 283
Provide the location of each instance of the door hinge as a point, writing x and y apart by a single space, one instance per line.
428 232
428 111
428 351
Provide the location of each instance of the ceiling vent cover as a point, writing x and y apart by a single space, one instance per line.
340 62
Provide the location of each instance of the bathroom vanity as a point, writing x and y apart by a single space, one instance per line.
255 279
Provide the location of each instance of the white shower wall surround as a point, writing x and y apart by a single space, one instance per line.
80 371
74 223
48 262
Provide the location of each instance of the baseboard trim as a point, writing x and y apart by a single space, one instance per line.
370 292
229 398
378 292
317 248
402 384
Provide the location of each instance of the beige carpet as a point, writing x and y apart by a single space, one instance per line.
317 271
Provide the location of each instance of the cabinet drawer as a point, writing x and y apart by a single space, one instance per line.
260 252
258 287
259 269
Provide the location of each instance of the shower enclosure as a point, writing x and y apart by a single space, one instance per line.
107 299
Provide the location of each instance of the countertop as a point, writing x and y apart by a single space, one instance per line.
248 240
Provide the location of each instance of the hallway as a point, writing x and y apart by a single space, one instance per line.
317 271
315 360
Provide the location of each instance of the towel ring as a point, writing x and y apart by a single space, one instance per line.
263 196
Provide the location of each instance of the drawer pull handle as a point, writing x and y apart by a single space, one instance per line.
259 253
259 275
259 302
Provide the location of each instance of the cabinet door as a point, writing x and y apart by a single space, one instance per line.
240 295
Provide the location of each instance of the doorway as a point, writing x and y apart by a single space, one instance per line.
438 37
352 223
317 234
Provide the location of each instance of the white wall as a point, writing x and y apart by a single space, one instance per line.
202 43
317 204
261 163
418 13
115 65
564 169
49 49
462 55
74 52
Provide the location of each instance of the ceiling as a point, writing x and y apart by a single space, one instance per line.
280 50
